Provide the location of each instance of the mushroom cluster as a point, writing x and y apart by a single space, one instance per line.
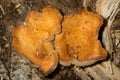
45 43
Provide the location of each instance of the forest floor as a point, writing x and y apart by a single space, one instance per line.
16 67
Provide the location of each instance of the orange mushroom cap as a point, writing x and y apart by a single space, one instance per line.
78 42
33 40
49 20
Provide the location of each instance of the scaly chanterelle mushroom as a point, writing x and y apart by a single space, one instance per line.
78 42
33 40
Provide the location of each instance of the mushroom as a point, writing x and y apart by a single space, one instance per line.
33 40
78 42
